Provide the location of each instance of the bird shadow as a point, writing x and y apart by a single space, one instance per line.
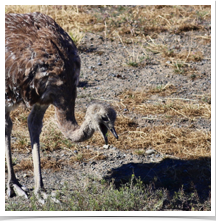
85 84
171 174
85 49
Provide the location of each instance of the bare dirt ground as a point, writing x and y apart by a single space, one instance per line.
112 72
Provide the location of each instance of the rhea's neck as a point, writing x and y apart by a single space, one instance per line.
69 127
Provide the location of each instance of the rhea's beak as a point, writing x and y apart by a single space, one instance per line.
104 131
114 132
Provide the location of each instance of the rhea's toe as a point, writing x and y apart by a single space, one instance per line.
20 190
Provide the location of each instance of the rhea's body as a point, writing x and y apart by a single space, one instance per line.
42 67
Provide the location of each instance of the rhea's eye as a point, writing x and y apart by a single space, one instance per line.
104 118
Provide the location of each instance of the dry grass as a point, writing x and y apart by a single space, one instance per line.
46 163
179 142
127 21
178 58
182 142
173 107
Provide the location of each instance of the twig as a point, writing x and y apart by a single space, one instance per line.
141 132
112 58
149 118
152 40
164 19
179 113
122 103
131 132
110 101
122 43
167 85
141 105
105 100
207 108
105 30
176 64
185 99
65 148
125 116
188 52
98 154
208 37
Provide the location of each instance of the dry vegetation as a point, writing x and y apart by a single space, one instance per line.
124 20
185 143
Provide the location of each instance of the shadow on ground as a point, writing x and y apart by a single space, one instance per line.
170 174
85 84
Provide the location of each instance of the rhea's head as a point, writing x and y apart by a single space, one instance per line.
102 119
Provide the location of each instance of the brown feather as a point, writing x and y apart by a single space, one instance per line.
35 43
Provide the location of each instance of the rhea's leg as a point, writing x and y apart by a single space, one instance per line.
35 125
13 186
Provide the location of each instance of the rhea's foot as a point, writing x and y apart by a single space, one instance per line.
15 188
42 196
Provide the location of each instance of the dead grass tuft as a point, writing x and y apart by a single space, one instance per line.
46 163
137 101
51 163
179 60
25 164
184 143
86 155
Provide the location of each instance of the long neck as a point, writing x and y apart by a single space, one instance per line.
69 127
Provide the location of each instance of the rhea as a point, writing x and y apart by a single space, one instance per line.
42 67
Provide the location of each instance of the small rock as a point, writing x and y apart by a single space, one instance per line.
92 67
106 146
84 164
93 163
53 194
99 64
118 156
13 139
149 152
